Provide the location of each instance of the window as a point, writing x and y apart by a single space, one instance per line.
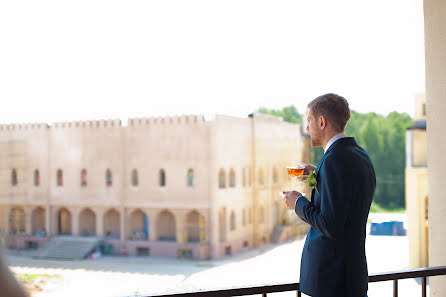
261 178
232 221
59 177
83 177
36 178
190 178
14 177
162 178
221 179
261 215
250 216
232 178
108 178
275 175
134 177
244 217
424 109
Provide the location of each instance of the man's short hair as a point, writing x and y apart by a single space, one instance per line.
333 107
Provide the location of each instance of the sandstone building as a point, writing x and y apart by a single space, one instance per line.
417 187
165 186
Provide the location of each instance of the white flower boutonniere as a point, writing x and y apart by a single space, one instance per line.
311 181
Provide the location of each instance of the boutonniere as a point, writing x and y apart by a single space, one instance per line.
311 181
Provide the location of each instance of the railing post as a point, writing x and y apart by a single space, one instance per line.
395 288
263 294
298 293
423 286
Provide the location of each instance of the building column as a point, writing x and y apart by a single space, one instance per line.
75 211
48 216
152 214
123 227
180 224
99 221
28 212
435 50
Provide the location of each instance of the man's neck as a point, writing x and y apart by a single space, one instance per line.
329 136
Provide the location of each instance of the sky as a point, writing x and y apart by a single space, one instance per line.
83 60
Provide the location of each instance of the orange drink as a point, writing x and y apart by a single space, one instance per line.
295 170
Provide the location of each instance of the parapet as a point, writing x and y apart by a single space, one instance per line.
24 127
88 124
175 120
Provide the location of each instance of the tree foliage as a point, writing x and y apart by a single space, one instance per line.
384 139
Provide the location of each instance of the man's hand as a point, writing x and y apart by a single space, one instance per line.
307 170
290 198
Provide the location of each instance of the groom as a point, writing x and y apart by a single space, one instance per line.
333 259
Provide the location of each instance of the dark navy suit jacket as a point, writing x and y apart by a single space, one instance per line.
333 259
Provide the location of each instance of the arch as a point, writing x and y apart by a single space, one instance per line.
87 222
38 222
193 223
112 226
84 177
64 222
108 178
222 179
17 220
135 178
231 178
190 178
14 179
162 178
139 226
36 177
166 228
233 222
222 224
59 180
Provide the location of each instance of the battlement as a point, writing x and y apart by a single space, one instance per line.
267 118
175 120
88 124
24 127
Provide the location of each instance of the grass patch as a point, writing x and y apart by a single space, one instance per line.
378 208
32 277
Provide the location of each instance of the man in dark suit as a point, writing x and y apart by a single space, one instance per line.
333 259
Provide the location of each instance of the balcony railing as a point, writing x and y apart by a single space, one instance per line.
394 276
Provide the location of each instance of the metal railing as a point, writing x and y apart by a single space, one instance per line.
394 276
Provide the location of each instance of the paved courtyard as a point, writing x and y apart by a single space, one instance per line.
122 276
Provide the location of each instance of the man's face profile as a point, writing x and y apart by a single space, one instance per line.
314 130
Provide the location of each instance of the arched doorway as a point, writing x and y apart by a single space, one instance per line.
87 223
38 222
166 228
64 222
112 225
139 226
195 226
16 220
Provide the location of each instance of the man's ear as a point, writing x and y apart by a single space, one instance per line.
322 123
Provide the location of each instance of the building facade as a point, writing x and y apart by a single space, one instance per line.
171 186
417 187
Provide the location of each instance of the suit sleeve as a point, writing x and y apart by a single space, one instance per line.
335 192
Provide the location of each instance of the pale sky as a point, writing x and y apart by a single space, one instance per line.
88 59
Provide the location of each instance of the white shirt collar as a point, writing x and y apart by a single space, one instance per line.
333 139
